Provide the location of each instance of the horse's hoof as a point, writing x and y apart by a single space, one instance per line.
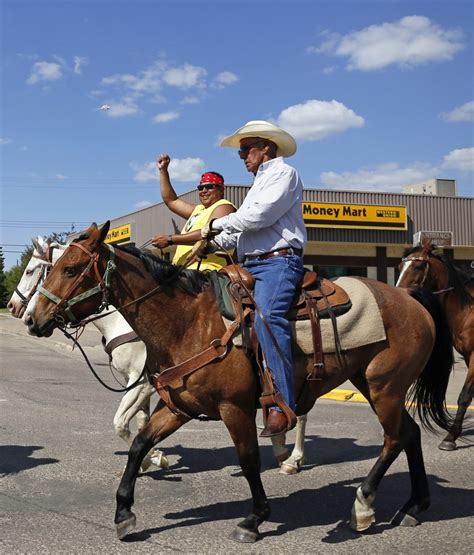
447 446
288 469
362 513
403 519
160 460
125 527
361 524
242 535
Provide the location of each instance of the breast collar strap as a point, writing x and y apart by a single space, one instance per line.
67 303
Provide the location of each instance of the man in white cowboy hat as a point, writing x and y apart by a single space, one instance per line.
268 231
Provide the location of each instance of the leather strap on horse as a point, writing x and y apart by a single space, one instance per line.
169 377
120 340
269 397
318 355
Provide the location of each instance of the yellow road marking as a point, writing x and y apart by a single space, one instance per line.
356 397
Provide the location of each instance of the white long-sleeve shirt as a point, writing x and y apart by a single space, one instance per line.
270 217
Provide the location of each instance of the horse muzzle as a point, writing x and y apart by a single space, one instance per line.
16 309
39 329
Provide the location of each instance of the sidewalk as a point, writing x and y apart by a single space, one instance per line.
90 340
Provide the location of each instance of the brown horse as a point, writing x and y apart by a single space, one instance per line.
175 312
422 267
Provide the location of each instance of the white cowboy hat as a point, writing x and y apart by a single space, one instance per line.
265 130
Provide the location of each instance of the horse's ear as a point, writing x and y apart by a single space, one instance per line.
426 245
36 245
103 231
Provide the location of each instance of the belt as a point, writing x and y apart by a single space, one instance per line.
278 252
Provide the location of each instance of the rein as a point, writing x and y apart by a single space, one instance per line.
102 287
97 377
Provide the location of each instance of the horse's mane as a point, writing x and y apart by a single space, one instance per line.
167 274
457 278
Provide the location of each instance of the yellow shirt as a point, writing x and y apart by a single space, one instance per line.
199 217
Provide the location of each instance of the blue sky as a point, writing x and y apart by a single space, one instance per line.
377 94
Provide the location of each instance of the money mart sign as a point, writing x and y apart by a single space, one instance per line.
354 216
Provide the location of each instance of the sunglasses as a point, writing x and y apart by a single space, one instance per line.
208 186
245 149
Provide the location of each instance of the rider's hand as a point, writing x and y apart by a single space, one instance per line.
163 162
207 232
160 241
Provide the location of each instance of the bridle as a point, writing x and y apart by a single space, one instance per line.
420 259
47 262
66 303
426 259
45 266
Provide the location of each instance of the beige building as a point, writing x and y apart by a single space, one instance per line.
349 233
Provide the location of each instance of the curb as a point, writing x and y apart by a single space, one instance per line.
348 395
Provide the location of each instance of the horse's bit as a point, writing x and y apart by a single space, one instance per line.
102 287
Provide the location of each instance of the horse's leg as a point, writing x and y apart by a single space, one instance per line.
296 460
389 410
280 450
242 428
131 405
464 400
155 456
162 424
362 515
420 494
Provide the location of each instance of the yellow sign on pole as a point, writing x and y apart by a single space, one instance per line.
354 216
120 234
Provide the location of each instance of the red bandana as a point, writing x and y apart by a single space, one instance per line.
211 178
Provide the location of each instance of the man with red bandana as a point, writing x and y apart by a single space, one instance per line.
213 205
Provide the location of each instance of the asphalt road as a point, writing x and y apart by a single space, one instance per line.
60 463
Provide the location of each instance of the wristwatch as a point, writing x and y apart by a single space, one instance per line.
170 240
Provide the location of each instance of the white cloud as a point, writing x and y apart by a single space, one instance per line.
225 78
328 70
190 100
461 159
389 177
60 176
410 41
5 141
79 61
152 83
143 204
122 109
316 119
181 170
186 169
185 76
147 172
461 113
44 71
164 117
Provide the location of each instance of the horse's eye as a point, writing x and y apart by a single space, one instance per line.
70 271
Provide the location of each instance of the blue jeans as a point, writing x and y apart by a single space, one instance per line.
276 280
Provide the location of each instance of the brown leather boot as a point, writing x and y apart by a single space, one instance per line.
277 424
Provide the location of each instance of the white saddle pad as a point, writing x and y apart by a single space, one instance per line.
361 325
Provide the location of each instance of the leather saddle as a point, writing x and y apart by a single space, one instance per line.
329 298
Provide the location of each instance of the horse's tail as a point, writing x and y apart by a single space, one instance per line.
428 393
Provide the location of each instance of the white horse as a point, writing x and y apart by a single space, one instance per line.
128 359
